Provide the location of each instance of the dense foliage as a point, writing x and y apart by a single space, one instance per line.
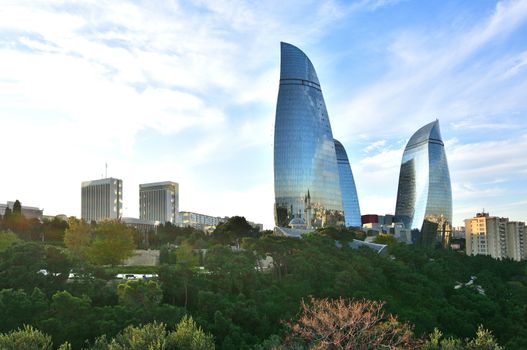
243 303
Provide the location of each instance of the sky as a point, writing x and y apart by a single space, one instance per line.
186 91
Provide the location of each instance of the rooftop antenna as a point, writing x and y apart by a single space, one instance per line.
106 170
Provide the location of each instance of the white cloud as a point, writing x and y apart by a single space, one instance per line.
79 82
488 160
441 75
375 145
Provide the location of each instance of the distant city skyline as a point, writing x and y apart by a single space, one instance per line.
186 91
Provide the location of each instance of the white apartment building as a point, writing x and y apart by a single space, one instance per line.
199 221
159 201
102 199
494 236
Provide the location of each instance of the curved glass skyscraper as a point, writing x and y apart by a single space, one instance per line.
424 196
305 161
350 200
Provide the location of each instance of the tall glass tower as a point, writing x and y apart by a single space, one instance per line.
306 175
350 200
424 196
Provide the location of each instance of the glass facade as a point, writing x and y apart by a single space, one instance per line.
350 200
424 196
306 175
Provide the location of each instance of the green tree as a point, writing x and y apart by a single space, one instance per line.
68 318
484 341
20 265
7 238
140 293
7 214
185 255
167 255
189 336
15 221
233 271
386 238
342 234
154 336
77 237
54 229
437 342
112 243
58 264
17 208
281 249
18 307
25 338
151 336
186 260
233 230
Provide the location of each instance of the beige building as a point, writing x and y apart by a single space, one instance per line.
494 236
102 199
159 201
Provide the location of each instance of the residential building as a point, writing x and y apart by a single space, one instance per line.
306 172
102 199
495 236
199 221
424 196
159 201
516 240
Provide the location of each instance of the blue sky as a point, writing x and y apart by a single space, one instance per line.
186 91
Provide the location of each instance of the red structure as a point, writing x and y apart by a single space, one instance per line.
369 219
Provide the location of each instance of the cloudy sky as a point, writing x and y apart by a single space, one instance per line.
186 91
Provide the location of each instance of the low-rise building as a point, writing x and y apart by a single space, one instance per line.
141 225
28 212
199 221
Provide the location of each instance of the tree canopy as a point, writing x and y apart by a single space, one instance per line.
244 297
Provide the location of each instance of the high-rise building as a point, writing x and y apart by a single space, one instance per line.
350 200
102 199
159 201
516 236
495 236
424 196
304 151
